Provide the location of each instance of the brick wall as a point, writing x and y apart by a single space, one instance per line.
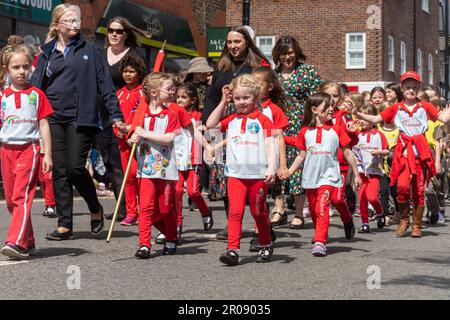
400 26
320 27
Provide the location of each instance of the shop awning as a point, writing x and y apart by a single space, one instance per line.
162 26
39 11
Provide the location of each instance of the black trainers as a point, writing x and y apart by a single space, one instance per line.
349 229
254 243
170 247
264 254
208 221
143 253
231 258
160 238
381 221
222 234
364 229
50 212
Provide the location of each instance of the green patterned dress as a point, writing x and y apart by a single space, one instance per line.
303 82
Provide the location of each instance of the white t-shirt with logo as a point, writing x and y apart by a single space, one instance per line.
410 123
246 145
20 115
368 142
157 161
321 144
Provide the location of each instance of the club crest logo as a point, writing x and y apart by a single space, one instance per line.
253 128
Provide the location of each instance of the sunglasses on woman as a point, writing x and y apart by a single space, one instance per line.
118 31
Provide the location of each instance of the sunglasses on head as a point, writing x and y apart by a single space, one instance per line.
118 31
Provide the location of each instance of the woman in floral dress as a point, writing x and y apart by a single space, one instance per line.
300 80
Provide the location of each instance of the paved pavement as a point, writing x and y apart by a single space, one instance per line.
372 266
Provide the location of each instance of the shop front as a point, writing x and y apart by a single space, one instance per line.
180 46
27 18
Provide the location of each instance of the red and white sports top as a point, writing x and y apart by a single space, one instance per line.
410 123
20 114
156 161
321 166
188 150
246 144
279 120
369 141
129 101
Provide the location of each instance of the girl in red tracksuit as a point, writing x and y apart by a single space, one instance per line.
272 97
189 161
156 171
24 109
342 118
250 163
413 164
319 141
132 68
372 146
46 182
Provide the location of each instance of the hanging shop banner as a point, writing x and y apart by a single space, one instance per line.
217 38
162 26
39 11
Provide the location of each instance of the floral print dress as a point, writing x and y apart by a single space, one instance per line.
303 82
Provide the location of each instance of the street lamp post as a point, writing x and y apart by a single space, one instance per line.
246 12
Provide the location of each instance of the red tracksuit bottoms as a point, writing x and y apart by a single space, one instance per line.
20 166
406 181
338 200
238 192
193 188
368 192
156 208
46 182
319 208
131 185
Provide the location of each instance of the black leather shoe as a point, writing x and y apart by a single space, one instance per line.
97 225
57 236
143 253
109 216
170 247
209 221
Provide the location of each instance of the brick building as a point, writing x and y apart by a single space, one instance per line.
183 23
363 43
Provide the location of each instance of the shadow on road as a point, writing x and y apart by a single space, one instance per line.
421 280
104 235
43 253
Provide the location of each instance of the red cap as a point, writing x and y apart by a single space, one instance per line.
410 75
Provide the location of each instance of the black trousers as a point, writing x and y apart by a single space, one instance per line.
109 149
70 148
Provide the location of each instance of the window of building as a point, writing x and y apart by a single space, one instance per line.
391 54
419 62
425 6
266 44
402 57
355 52
430 68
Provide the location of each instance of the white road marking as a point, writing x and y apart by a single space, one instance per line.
10 263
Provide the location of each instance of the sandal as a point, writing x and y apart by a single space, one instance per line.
281 221
297 226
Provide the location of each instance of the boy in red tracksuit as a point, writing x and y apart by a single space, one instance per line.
372 146
413 163
24 112
133 71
